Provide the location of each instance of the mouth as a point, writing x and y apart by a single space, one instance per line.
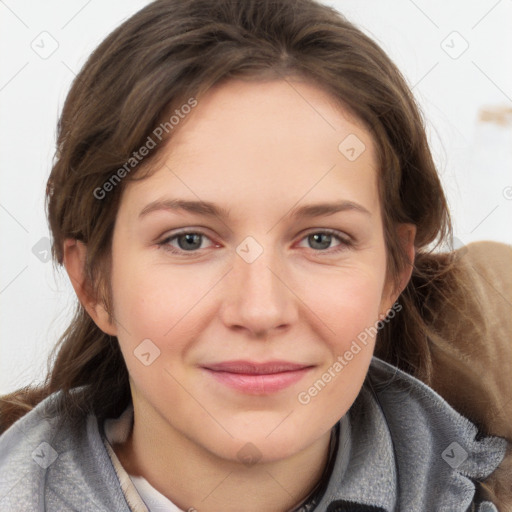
257 378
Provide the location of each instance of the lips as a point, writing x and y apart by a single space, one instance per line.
257 378
251 368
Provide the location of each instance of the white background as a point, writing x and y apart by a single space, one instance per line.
474 157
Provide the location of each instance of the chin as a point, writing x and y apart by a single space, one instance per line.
254 446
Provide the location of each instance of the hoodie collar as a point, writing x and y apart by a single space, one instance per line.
364 472
402 441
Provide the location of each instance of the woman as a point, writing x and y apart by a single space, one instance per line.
244 199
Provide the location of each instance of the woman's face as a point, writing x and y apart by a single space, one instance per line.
247 266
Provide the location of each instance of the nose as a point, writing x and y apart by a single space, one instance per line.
257 297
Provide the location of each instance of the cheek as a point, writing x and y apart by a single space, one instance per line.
348 304
167 307
145 296
332 390
350 310
152 314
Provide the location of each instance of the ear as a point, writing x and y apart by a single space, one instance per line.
406 234
75 255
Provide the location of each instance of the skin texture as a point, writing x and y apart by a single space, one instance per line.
260 150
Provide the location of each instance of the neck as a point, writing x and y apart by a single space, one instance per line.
194 478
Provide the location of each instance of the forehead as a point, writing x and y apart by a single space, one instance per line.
256 115
277 140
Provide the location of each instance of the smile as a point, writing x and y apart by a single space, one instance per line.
257 378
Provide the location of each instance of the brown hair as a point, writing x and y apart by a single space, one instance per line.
174 50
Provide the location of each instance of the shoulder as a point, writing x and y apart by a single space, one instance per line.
463 351
489 251
434 446
488 265
47 464
24 451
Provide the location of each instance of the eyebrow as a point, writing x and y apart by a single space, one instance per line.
209 209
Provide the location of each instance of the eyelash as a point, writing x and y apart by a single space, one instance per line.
345 242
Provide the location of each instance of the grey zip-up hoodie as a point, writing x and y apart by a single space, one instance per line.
403 449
